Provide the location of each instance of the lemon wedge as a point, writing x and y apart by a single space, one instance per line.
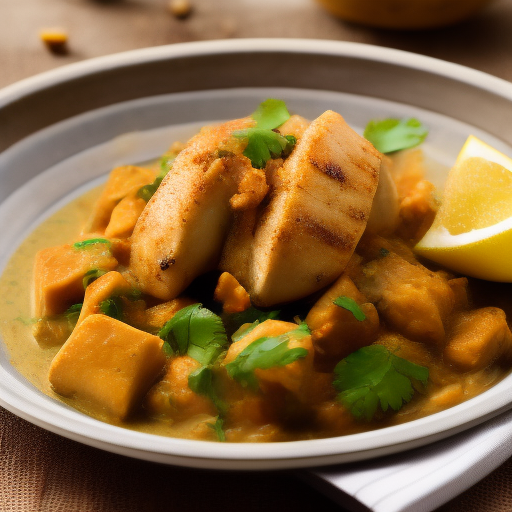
472 231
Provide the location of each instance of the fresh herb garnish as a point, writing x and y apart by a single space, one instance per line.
112 307
250 316
91 241
92 275
389 135
265 353
73 312
218 427
166 161
270 114
147 191
200 333
373 375
350 305
203 382
263 145
195 331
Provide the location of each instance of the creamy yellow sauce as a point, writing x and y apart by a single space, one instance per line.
26 355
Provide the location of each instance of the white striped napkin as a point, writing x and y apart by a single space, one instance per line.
422 479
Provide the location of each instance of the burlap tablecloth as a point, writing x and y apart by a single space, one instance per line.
40 471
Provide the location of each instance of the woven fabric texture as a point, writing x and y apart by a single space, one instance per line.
43 472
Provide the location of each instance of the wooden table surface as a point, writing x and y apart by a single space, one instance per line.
51 473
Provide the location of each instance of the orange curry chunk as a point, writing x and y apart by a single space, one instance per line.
124 216
122 182
417 211
111 284
478 338
109 364
157 316
294 377
335 331
172 397
232 294
410 298
59 273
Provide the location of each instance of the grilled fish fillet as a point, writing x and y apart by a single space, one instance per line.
180 233
302 238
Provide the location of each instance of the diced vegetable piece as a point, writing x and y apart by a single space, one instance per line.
412 299
479 337
293 376
459 287
50 332
124 216
108 364
122 182
172 397
157 316
335 331
109 285
58 275
232 294
417 211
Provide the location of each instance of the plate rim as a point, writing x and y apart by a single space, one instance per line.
229 456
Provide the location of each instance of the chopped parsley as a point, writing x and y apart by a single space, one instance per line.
218 427
92 275
271 114
350 305
252 316
72 313
265 353
389 135
203 382
373 376
147 191
263 143
91 241
112 307
200 333
195 331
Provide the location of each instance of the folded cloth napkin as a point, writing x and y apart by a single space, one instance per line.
422 479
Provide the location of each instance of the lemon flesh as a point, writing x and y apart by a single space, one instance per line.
472 231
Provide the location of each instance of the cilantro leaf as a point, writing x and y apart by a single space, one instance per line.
218 427
270 114
112 307
373 375
196 331
389 135
92 275
264 144
350 305
251 316
72 313
91 241
203 382
265 353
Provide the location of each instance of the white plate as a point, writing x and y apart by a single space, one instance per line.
71 126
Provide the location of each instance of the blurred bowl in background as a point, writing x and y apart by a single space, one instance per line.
404 14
